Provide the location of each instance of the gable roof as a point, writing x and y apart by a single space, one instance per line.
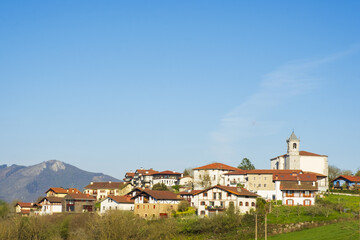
80 196
59 190
295 177
52 199
219 166
105 185
237 172
146 172
121 199
25 204
302 153
167 172
272 171
355 179
291 185
159 195
192 192
238 191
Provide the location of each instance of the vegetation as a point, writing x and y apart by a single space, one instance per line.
246 164
205 180
337 231
160 186
4 209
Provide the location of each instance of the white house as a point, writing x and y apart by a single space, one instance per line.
169 178
50 205
101 190
236 178
306 161
210 175
116 203
218 198
297 193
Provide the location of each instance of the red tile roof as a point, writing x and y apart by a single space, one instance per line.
159 195
25 211
130 174
25 204
295 177
60 190
105 185
220 166
57 190
237 172
290 185
167 172
355 179
234 190
80 196
304 153
122 199
146 172
272 171
193 192
52 199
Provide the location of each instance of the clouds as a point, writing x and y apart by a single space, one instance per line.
249 119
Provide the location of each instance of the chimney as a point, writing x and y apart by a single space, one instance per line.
299 182
313 184
141 168
109 181
91 183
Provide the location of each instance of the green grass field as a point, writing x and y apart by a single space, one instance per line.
336 231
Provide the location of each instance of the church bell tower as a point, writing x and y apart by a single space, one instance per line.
293 145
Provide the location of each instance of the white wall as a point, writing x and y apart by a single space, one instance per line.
109 204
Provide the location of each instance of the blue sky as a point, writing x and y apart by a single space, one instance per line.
111 86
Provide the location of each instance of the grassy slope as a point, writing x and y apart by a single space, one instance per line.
337 231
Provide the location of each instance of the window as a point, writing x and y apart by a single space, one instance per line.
220 196
212 203
294 146
253 204
259 185
214 195
202 203
109 207
214 177
103 207
247 204
202 213
290 202
306 193
264 185
154 206
307 202
205 194
138 206
229 194
240 203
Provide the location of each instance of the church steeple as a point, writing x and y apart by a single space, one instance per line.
293 144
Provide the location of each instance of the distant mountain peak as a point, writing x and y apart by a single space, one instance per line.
56 165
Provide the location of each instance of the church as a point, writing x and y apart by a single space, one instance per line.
301 160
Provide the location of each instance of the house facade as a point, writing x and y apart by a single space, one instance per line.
26 208
218 198
78 203
100 190
297 193
347 182
210 175
124 203
169 178
155 204
50 205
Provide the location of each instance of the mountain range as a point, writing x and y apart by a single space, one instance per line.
29 183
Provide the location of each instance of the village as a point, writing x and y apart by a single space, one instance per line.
294 179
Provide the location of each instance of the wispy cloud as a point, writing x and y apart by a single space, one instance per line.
248 119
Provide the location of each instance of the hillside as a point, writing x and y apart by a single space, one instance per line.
28 183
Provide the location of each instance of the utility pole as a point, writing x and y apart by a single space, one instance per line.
265 226
255 226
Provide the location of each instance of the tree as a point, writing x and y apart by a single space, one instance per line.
205 180
347 172
183 206
160 186
246 164
358 172
188 172
333 172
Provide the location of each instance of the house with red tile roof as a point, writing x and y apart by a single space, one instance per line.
77 202
111 203
50 205
211 174
300 192
26 208
306 161
154 204
169 178
349 182
218 198
60 192
101 190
